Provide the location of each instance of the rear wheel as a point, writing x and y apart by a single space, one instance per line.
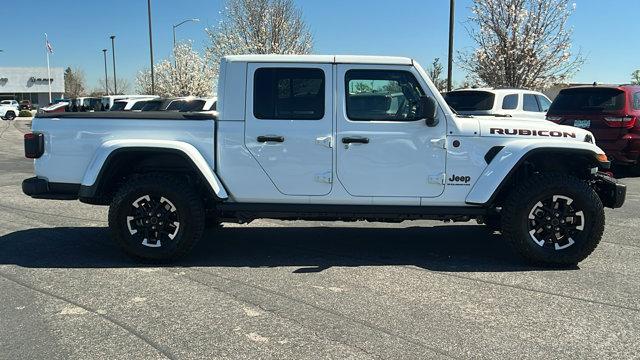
156 217
553 219
10 115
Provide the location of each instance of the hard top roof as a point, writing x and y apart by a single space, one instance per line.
329 59
604 86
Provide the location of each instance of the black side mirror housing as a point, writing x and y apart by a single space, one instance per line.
429 110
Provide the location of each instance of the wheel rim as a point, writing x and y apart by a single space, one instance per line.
153 221
555 222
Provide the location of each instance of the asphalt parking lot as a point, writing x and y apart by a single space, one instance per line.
303 290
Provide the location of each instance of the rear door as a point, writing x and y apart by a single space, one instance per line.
289 125
383 148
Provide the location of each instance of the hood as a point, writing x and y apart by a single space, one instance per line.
524 128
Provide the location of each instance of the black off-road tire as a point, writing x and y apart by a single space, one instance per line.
524 200
189 214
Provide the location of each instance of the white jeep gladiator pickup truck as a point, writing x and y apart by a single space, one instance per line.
315 137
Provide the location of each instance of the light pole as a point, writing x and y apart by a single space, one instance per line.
153 82
106 77
113 53
452 10
181 23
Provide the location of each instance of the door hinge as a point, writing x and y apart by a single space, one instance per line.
325 141
437 179
325 177
441 143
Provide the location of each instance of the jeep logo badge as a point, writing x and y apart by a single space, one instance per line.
459 180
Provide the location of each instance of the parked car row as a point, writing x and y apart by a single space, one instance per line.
183 104
132 103
610 112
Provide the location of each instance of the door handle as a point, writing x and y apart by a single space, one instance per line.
354 140
270 138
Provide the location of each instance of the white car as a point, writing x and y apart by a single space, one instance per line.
9 109
524 104
318 137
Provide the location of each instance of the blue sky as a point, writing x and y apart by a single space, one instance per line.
414 28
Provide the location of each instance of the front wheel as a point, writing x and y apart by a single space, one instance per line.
553 219
156 217
10 115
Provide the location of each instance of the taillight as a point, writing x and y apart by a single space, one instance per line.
554 118
33 145
620 121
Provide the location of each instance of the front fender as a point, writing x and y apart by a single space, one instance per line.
510 158
108 148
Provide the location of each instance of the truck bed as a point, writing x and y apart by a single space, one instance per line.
73 140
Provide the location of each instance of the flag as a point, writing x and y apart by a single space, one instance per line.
48 44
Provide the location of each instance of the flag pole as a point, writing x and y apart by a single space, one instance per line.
46 49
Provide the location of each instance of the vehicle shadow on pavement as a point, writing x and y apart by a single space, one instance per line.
466 248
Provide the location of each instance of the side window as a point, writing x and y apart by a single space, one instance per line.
636 101
383 95
288 93
510 102
530 103
545 104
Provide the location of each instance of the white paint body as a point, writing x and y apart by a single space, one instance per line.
405 163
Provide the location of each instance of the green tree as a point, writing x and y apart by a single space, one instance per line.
436 71
74 82
635 77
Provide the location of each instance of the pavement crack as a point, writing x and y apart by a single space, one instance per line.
410 267
318 308
159 348
273 312
47 214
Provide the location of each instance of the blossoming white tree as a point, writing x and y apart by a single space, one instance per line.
190 74
259 27
521 43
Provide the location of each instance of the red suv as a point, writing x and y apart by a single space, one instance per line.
611 113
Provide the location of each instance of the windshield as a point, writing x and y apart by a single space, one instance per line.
193 105
118 106
139 105
588 100
152 106
470 100
176 105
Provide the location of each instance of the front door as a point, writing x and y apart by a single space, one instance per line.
289 125
383 147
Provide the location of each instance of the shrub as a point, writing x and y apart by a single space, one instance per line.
25 113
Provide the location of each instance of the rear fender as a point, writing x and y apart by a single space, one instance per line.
94 170
507 161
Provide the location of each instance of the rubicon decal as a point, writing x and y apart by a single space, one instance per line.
527 132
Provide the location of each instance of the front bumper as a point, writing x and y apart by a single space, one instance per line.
42 189
611 192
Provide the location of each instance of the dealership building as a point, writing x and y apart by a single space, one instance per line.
31 83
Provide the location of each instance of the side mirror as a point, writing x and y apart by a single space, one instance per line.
429 110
